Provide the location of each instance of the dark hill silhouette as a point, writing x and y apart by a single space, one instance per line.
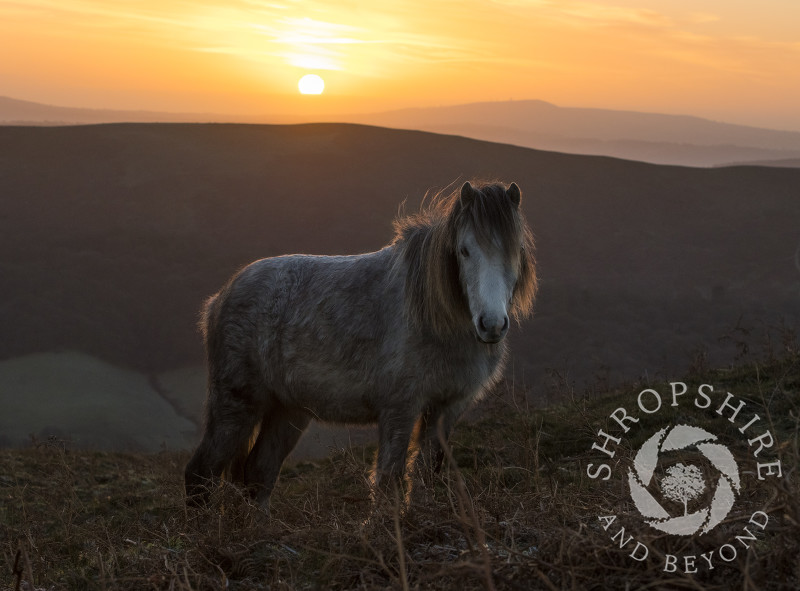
112 235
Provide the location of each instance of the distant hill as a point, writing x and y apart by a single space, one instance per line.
111 236
645 137
69 394
17 112
661 139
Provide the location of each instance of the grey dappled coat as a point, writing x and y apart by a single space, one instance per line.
406 337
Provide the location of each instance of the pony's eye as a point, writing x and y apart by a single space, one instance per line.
464 252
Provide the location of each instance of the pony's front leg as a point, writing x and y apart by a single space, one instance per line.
430 434
394 434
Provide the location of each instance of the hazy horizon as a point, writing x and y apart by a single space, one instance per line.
723 62
345 117
656 138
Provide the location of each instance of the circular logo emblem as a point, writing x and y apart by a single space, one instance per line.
683 483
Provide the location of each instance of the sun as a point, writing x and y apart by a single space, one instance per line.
311 84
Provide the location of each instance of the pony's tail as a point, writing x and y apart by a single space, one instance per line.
206 313
207 324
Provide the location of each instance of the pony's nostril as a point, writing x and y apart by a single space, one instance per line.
505 323
482 324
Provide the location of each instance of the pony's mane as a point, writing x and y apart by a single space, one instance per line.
427 246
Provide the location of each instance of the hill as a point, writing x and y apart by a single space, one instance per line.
18 112
649 137
777 163
76 397
646 137
111 236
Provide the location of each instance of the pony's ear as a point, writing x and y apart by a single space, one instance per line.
467 194
515 194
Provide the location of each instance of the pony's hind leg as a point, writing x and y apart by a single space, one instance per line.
280 431
230 421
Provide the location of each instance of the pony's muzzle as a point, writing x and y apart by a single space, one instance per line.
492 329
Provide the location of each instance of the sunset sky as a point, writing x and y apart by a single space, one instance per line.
729 60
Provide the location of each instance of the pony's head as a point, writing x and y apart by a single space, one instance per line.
488 250
470 262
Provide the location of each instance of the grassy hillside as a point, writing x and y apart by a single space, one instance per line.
513 509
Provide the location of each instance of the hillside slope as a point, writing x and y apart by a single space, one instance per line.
511 509
111 236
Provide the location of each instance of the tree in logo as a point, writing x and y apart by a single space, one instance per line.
683 484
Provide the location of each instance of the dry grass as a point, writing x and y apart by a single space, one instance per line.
513 509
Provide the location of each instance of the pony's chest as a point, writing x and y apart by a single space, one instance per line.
461 371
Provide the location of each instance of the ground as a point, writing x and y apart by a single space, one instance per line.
514 508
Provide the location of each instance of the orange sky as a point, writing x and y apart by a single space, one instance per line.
728 60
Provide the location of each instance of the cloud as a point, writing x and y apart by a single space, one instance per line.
521 38
603 15
701 18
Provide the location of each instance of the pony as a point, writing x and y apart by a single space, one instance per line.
407 337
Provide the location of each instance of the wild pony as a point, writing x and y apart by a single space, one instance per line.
407 337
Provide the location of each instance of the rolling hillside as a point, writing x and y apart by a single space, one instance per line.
112 235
